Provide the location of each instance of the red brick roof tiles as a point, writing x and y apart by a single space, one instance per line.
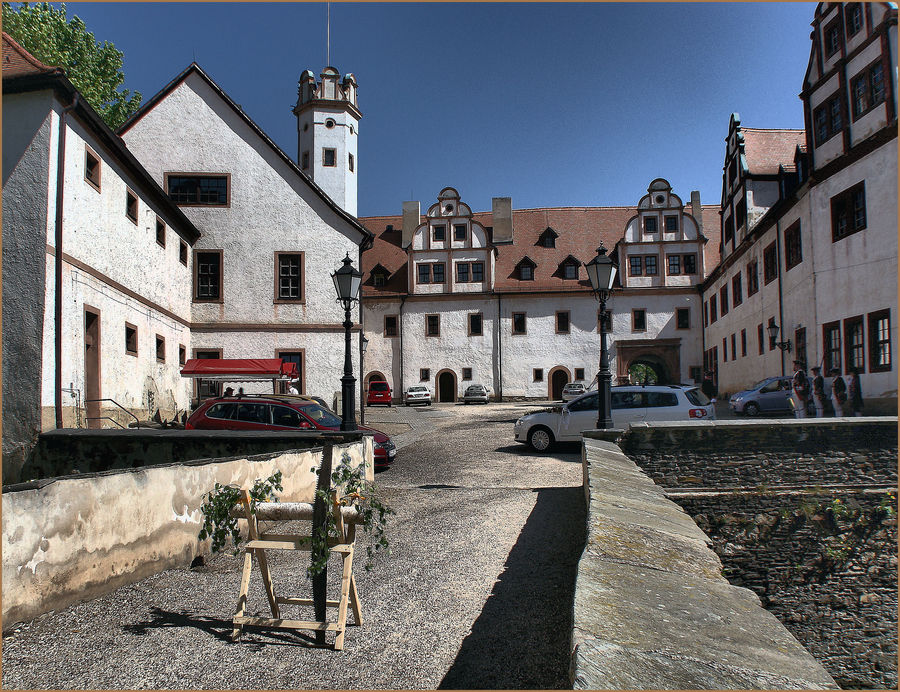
580 230
18 62
766 150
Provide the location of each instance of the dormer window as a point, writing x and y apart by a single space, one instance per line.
568 269
548 238
525 269
378 280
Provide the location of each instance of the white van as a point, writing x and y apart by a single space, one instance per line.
630 404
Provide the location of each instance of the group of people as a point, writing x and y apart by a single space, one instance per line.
846 397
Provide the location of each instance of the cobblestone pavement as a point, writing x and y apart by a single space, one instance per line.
476 594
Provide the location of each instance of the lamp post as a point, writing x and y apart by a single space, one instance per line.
602 272
346 282
772 329
363 345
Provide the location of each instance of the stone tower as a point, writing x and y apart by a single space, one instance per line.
328 131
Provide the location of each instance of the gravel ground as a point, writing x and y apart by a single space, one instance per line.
476 593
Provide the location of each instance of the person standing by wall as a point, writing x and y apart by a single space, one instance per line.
800 388
838 393
854 393
818 391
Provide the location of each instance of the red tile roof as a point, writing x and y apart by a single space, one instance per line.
18 62
765 150
580 229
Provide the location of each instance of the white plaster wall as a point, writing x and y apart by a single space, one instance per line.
338 181
761 196
858 274
272 209
454 349
833 147
383 353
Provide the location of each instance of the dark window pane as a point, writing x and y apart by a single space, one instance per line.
477 271
209 190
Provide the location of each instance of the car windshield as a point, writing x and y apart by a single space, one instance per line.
379 386
758 384
324 418
418 389
696 397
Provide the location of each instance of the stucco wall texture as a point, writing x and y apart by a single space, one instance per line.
78 537
26 150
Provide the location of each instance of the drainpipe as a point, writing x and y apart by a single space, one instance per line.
58 242
499 347
780 301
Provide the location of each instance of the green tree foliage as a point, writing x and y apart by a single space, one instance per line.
94 68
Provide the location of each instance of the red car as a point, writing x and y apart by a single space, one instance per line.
275 412
379 393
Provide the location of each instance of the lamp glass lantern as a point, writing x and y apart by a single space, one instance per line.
602 272
347 280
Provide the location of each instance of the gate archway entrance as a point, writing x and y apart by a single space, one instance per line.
557 379
445 386
662 357
374 376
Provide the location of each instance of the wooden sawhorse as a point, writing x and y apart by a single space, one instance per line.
345 518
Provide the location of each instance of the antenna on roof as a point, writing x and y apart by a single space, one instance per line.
328 34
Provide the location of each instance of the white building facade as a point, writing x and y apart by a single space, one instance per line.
270 237
96 269
454 298
819 260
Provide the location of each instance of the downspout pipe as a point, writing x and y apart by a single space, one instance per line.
780 292
58 244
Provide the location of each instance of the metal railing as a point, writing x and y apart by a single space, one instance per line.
92 401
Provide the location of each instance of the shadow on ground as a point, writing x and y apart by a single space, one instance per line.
521 639
560 450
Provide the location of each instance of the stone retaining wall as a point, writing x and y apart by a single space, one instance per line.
73 538
761 489
843 611
652 609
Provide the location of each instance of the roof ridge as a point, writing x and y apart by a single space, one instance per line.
27 56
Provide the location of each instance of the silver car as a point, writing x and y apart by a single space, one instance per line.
417 394
477 393
573 390
630 404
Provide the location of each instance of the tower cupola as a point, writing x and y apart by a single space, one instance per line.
328 131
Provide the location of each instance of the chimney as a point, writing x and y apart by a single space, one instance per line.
697 210
502 219
411 216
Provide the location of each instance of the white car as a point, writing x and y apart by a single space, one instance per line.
630 404
417 394
476 393
573 390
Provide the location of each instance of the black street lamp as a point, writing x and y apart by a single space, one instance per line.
363 345
773 336
602 272
346 283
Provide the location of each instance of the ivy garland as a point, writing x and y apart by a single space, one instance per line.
348 488
218 524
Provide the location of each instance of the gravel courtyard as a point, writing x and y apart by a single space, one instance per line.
476 592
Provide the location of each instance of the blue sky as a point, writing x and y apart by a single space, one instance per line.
552 104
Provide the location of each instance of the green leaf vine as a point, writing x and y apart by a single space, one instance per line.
218 524
349 488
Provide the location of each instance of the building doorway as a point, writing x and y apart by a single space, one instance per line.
559 378
92 366
658 359
446 386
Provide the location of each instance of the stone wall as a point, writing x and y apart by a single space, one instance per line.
70 539
765 493
844 611
652 609
67 451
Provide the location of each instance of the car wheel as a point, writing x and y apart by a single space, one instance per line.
751 409
540 438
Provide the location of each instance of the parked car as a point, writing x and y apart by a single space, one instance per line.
379 393
766 396
417 394
477 393
573 390
630 404
277 412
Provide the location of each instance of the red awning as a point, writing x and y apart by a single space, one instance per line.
240 369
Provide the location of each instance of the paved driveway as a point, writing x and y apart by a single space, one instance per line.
476 593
